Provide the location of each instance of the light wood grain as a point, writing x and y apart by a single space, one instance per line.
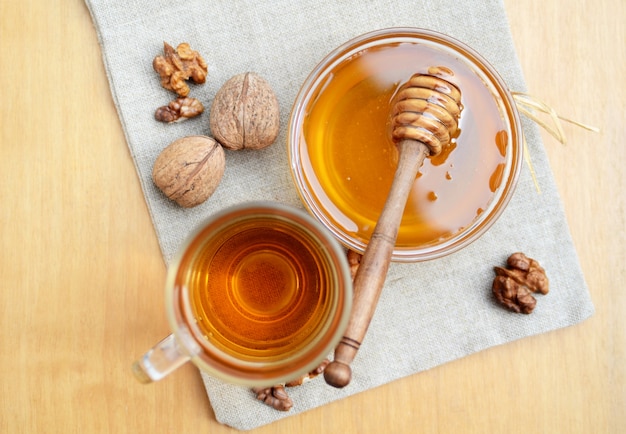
82 274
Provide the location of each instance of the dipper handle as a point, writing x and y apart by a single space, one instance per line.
370 276
425 118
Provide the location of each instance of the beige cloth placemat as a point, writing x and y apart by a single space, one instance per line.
429 313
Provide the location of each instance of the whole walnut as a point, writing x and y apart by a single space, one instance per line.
245 113
189 170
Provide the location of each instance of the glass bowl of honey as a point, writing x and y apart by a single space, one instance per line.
343 160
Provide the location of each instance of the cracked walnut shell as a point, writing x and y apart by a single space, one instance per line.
189 170
245 113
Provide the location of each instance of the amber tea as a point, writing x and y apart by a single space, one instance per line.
259 288
259 295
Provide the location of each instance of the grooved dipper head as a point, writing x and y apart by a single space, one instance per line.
427 109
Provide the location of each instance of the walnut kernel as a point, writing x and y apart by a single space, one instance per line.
179 110
176 66
189 170
513 286
274 396
245 113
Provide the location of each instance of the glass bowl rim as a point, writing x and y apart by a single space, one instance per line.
476 62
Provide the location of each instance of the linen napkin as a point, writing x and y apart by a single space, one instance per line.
429 313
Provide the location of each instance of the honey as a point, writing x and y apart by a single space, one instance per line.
259 289
347 158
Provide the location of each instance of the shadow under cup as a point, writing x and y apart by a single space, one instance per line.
259 295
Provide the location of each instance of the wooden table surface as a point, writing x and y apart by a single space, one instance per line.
81 271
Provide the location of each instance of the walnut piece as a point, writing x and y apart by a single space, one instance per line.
277 397
179 110
274 396
177 66
189 170
245 113
513 286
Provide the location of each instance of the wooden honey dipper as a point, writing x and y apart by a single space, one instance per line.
425 117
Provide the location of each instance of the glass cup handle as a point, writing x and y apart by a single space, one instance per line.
160 360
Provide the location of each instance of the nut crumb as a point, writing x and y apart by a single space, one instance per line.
311 375
354 260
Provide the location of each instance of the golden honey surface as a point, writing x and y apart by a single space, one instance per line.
350 160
